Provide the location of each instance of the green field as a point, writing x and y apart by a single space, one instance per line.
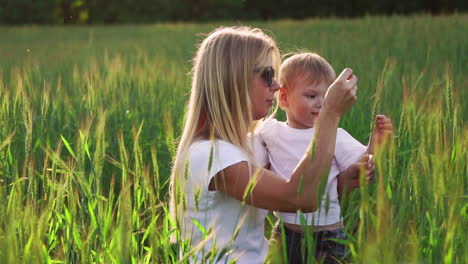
89 117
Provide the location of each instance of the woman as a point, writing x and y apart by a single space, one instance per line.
219 195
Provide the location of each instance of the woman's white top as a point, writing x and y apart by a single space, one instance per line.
215 220
283 147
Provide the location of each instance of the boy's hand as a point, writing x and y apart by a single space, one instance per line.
350 178
383 131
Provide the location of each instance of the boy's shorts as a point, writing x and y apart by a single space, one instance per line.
297 249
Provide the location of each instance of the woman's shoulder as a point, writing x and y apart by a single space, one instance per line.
216 147
210 143
215 155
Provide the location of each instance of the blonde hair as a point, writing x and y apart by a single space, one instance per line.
307 65
219 105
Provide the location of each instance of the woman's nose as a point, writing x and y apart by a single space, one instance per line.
275 85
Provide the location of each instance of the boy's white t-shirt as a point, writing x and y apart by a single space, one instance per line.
235 226
283 148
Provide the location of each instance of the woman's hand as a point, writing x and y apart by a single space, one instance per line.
341 94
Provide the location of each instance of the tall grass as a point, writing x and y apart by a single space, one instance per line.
89 116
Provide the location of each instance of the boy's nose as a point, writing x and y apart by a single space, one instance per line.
319 102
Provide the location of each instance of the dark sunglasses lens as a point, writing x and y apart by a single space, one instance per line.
268 75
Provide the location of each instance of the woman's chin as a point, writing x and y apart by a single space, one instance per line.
256 118
259 115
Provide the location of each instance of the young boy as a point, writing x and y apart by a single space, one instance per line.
305 78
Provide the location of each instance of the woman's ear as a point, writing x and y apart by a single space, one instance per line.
283 96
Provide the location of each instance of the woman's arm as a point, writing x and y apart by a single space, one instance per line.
268 190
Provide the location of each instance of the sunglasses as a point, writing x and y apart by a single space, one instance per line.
267 74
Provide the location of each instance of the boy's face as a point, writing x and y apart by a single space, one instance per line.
303 102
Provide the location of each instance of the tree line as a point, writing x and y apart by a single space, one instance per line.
148 11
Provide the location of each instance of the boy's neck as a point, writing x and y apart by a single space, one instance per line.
297 125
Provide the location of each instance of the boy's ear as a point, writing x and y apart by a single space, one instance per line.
283 96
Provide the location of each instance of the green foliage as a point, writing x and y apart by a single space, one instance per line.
89 116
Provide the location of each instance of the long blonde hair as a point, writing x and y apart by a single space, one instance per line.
220 105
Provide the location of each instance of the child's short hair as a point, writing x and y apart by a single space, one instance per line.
305 65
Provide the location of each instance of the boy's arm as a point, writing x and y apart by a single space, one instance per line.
349 179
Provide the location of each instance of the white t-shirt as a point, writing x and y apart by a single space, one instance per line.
236 227
283 147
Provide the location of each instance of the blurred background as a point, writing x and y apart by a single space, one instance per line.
149 11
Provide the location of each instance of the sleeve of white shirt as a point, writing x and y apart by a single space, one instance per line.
211 157
259 148
348 149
